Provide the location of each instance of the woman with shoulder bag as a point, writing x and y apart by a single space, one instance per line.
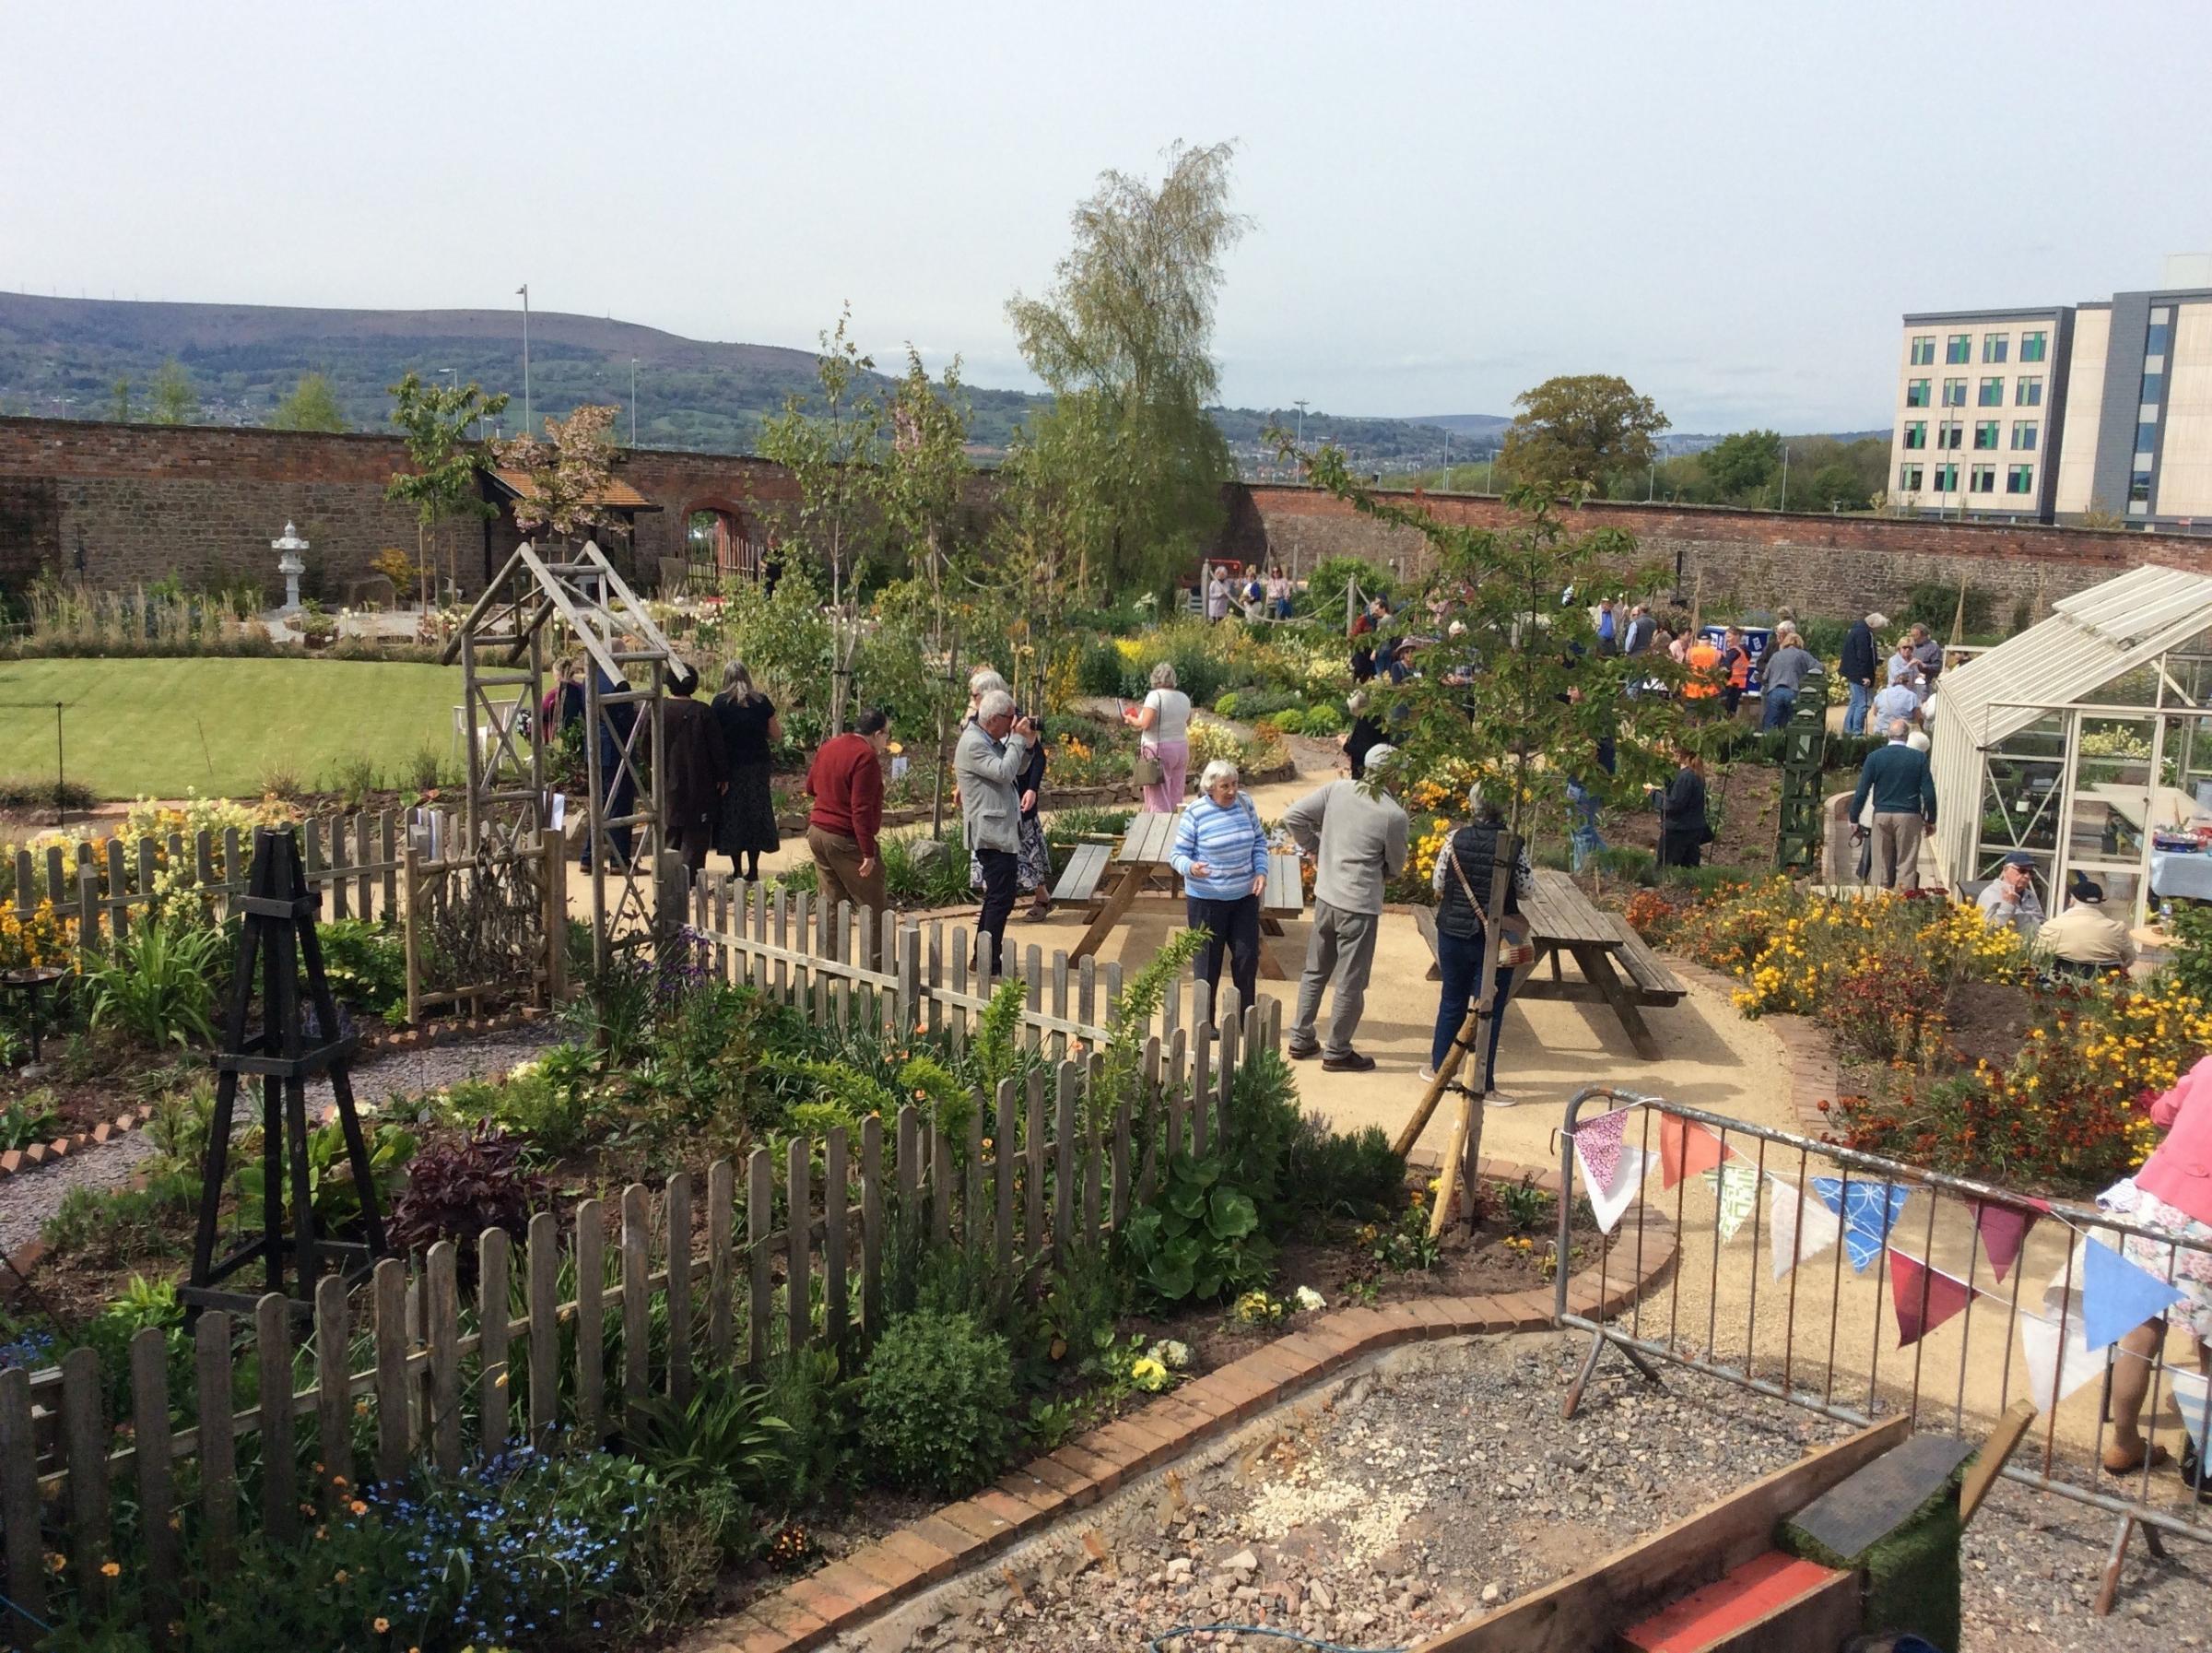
1163 749
1462 898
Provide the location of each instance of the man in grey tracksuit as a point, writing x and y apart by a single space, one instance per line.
1357 833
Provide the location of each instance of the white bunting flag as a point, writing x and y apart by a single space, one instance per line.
1799 1225
2056 1370
1627 1177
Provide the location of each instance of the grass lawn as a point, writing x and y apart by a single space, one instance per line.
158 727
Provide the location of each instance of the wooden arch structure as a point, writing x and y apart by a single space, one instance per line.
534 603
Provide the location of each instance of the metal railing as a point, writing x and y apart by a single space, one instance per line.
1820 1318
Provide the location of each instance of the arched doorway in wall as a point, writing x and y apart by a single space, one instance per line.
721 540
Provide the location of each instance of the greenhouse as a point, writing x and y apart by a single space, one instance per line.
2086 741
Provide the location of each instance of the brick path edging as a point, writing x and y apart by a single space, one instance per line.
873 1579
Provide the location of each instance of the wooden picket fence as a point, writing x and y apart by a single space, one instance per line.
418 1365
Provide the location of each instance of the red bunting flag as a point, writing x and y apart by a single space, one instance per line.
1685 1148
2004 1227
1925 1297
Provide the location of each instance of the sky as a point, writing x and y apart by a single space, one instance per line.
1728 205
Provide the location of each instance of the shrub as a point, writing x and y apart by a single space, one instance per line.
458 1188
723 1435
117 1226
19 794
552 1103
1887 1008
29 1118
819 1409
1199 1238
279 782
158 983
1288 721
331 1193
353 780
365 964
1325 719
425 768
1358 1175
1103 670
936 1404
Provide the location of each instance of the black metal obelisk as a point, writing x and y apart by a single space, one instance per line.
278 938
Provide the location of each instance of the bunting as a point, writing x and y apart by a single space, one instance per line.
1799 1227
2003 1228
1629 1173
1597 1146
2193 1399
1869 1210
2118 1295
1685 1148
1735 1188
1924 1297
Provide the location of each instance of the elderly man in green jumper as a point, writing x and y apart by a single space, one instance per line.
1357 833
1903 788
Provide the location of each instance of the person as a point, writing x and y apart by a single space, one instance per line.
750 732
1781 674
1363 657
1927 659
845 781
1703 684
1735 667
1461 881
1386 656
697 768
1163 725
2086 939
2010 897
1684 831
1898 782
1857 668
981 681
1680 640
1216 595
1278 592
1643 629
1607 630
1220 853
1363 736
2172 1194
1251 593
1900 667
617 722
989 759
1894 703
563 703
1033 863
1356 832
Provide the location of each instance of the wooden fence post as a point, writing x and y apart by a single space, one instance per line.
19 1507
553 849
411 931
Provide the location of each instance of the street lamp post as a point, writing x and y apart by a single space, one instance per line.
524 290
1785 474
633 401
1300 405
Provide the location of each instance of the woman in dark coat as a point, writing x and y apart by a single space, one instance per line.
696 773
1684 831
750 732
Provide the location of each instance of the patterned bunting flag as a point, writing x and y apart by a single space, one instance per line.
1736 1187
2003 1228
1925 1297
2193 1399
1598 1145
1685 1148
2118 1295
1800 1227
1628 1172
1869 1210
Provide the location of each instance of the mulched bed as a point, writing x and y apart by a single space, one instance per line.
1989 1021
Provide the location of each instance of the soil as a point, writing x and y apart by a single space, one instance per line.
1746 799
1989 1021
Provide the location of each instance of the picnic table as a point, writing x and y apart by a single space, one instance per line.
1107 880
1561 919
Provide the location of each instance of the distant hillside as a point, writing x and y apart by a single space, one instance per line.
63 357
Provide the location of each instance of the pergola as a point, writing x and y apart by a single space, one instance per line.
2083 738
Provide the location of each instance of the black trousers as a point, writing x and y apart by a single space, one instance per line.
1000 888
1681 849
1231 928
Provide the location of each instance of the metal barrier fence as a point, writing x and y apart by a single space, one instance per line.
1857 1291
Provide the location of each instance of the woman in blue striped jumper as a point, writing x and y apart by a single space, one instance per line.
1221 851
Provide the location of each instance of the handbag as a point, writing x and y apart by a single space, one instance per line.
1146 770
1514 947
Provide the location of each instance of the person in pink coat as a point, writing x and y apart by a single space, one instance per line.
2173 1195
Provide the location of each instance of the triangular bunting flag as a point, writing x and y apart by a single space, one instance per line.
1925 1297
1736 1186
1629 1173
2053 1372
2117 1296
2005 1229
1598 1145
2193 1401
1685 1148
1869 1210
1800 1227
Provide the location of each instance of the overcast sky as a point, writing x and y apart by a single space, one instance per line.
1730 205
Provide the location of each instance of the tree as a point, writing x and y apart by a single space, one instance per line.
312 406
119 408
568 474
1740 466
175 401
1129 467
1581 429
831 455
434 421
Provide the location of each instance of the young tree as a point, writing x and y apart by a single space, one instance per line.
119 408
831 455
1122 340
175 401
1740 466
312 406
569 473
434 421
1581 429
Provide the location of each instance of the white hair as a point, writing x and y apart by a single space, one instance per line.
996 703
1220 769
982 680
1163 675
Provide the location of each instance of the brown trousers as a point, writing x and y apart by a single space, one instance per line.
837 871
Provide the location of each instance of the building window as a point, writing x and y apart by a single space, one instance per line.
1923 350
2154 389
2023 436
2147 437
1916 433
1947 479
1954 393
2026 393
2031 346
1995 344
1984 479
1959 348
1992 394
1908 478
1985 434
1916 393
2020 478
1951 435
2138 487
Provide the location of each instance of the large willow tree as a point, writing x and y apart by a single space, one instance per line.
1119 483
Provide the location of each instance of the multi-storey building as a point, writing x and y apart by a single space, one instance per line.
2095 412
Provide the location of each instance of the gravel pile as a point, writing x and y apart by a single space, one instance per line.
29 1197
1444 1482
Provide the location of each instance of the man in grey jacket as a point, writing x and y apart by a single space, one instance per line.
1356 832
987 763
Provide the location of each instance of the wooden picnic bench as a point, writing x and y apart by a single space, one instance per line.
1561 919
1108 882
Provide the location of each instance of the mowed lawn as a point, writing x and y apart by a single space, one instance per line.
158 727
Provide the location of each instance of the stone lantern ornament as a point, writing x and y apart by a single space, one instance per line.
290 564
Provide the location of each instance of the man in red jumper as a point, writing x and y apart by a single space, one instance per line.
846 784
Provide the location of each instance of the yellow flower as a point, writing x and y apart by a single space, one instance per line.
110 1569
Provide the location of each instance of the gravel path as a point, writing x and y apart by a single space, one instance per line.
1444 1481
29 1199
